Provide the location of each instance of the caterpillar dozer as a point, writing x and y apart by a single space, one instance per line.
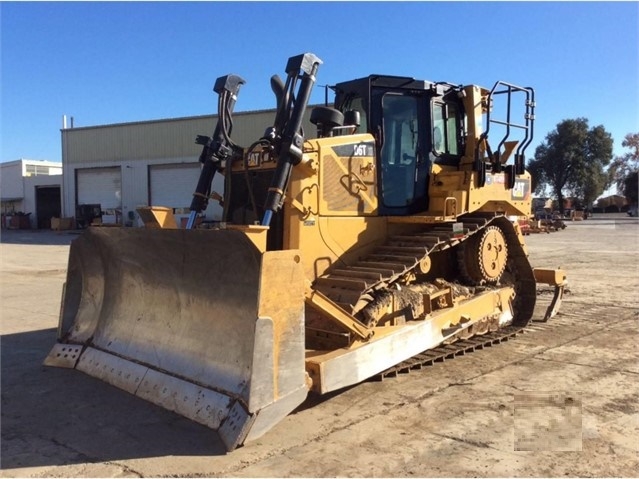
342 254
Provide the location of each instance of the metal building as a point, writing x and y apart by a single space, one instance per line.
31 190
151 163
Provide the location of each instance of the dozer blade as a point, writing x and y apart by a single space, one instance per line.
199 322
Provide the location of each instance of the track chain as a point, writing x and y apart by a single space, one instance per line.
466 346
450 351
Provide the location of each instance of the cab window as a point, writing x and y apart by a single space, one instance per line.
445 129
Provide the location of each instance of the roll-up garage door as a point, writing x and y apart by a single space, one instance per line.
173 185
100 186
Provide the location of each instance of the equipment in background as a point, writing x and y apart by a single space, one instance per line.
88 215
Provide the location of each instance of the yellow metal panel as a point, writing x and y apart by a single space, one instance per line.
474 106
348 175
550 276
157 217
492 197
327 230
326 240
256 233
286 312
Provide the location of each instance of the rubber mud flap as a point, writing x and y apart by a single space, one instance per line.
197 321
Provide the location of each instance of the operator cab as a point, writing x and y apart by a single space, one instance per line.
415 124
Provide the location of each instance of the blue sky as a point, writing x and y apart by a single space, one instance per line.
116 62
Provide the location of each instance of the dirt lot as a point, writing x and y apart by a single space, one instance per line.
560 400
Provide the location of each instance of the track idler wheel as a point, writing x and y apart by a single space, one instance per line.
483 257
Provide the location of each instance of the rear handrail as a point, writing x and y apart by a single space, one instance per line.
494 157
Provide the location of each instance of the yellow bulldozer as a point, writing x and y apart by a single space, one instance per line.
339 257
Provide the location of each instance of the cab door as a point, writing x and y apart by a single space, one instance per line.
404 166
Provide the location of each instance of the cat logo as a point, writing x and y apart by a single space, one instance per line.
521 190
254 159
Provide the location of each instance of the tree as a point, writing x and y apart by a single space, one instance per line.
538 180
572 160
631 187
624 168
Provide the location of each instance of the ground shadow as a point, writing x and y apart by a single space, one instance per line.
54 417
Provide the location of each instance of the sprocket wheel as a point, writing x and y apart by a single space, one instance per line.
483 256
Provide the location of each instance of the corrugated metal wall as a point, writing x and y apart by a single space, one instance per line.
154 140
135 146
